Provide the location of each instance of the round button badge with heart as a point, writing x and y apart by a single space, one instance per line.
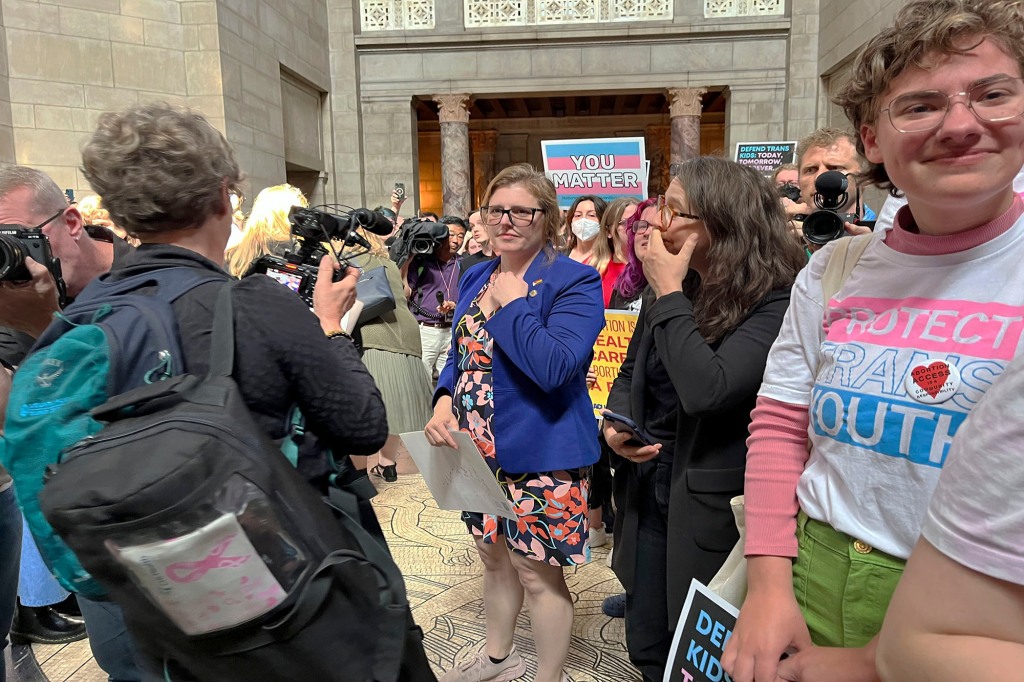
933 382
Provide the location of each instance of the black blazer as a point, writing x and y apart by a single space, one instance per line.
716 388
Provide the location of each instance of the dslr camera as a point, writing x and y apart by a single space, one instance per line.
418 238
790 191
18 243
313 231
831 194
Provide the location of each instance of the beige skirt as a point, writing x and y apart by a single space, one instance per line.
405 387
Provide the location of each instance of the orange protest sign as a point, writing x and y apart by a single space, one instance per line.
609 353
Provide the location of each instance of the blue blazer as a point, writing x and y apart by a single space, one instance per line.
543 345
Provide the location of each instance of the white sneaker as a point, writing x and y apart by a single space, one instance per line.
608 561
598 537
480 669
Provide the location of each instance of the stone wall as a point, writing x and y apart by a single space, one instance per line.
846 26
6 125
389 149
70 60
390 78
802 82
343 119
755 113
257 39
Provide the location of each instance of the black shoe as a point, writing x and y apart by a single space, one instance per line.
69 609
614 606
43 625
389 473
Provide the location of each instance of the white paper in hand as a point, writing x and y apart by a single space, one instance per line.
458 479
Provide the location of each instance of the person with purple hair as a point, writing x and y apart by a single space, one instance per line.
631 283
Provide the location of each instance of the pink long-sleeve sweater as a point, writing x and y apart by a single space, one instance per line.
777 446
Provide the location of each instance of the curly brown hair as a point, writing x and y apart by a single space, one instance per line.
923 27
159 167
751 252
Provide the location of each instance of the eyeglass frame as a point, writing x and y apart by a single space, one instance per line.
485 213
40 225
667 213
949 105
50 219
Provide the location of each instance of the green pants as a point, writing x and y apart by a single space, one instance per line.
842 585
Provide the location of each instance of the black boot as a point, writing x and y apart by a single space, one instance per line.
43 625
69 609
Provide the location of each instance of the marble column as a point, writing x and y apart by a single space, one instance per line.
456 183
658 141
684 110
484 144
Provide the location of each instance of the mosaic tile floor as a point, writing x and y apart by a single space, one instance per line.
443 578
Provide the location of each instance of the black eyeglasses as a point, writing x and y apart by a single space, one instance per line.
520 216
50 219
99 233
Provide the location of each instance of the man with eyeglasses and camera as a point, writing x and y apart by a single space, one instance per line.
824 150
38 224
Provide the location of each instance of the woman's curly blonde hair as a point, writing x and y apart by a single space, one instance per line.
267 227
159 167
923 28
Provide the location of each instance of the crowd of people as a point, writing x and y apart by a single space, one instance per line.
861 393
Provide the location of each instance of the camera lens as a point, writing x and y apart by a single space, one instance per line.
421 246
821 227
12 260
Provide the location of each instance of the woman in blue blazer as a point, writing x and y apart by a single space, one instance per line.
515 380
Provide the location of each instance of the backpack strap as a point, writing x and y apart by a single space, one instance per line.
171 282
841 263
222 344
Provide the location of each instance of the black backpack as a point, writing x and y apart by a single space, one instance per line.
227 564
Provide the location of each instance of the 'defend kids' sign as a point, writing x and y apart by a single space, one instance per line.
610 168
705 625
609 352
765 156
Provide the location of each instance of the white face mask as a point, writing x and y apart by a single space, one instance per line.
586 229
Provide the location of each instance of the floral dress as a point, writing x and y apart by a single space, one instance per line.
551 506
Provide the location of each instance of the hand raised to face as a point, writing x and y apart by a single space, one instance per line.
664 270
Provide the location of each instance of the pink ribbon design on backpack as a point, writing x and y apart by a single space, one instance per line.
191 571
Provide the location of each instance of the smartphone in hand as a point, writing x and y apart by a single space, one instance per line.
638 436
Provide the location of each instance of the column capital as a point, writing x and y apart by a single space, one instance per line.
484 140
685 101
453 108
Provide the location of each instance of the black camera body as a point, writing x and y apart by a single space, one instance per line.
418 238
290 271
312 229
790 191
827 223
18 243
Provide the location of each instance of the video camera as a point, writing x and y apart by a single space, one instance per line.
17 243
417 238
314 230
831 194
